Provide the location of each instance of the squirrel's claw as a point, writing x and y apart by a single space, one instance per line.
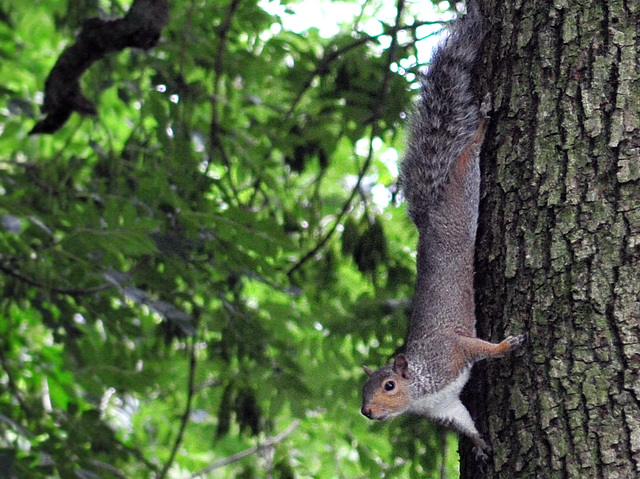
487 105
481 449
515 341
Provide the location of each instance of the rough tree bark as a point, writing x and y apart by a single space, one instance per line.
559 240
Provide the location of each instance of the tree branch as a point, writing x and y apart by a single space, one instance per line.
334 55
108 467
215 140
140 27
70 291
247 452
187 411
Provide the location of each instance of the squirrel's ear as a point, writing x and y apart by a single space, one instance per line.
368 370
401 366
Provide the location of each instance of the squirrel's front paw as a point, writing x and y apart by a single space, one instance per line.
481 450
487 105
514 342
480 455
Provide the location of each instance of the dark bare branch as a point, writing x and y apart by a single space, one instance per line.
140 27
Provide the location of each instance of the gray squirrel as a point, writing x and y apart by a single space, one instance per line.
440 178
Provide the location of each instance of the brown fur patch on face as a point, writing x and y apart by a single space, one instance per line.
385 394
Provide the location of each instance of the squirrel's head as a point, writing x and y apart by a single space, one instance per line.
386 393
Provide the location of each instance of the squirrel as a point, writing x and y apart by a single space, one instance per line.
440 178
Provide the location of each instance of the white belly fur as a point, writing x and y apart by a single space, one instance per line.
445 406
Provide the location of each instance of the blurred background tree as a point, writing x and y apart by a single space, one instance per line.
193 277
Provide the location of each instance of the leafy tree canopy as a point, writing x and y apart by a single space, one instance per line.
202 267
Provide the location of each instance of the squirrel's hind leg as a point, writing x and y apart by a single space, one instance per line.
457 417
475 349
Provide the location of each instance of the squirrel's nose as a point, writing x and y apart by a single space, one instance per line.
366 412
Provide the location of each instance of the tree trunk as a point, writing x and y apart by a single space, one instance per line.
558 250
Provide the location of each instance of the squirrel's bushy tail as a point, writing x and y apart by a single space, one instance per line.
447 116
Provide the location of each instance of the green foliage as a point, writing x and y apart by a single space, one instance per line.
203 263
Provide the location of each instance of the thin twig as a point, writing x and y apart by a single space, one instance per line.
214 383
343 211
53 289
108 467
391 56
247 452
215 140
187 411
139 456
184 47
333 55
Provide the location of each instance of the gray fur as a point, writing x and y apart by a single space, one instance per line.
447 115
444 125
440 177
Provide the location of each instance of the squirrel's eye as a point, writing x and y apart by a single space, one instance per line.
389 386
